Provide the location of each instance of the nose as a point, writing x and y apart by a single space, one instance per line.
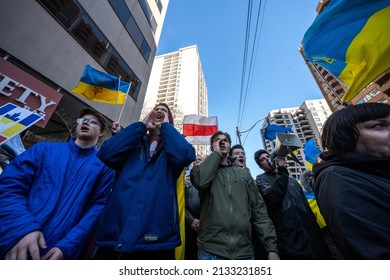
85 121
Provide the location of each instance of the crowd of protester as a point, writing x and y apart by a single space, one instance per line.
74 201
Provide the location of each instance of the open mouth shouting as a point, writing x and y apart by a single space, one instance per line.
160 116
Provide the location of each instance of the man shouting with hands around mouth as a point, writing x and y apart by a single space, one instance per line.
141 219
230 207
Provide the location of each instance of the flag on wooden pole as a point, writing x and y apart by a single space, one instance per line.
198 129
101 87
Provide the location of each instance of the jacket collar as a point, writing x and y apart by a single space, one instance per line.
78 150
362 162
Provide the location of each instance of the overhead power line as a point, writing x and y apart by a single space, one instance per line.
250 49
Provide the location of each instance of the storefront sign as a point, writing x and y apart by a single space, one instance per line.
24 90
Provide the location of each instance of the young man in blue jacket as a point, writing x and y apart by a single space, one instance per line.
141 219
52 195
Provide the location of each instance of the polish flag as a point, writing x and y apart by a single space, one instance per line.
198 129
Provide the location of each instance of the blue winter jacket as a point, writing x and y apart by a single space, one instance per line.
142 214
57 188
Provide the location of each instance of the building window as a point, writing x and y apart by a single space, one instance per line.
148 13
368 96
77 22
131 26
88 35
159 5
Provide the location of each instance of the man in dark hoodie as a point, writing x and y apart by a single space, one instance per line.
299 236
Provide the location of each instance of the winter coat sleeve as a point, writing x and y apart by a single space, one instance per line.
260 219
74 241
116 150
203 174
274 194
15 182
353 206
180 153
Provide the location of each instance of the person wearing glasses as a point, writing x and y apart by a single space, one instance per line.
299 236
52 195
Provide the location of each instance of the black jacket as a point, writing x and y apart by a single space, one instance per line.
299 236
353 193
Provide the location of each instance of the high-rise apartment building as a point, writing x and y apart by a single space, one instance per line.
45 45
306 122
177 79
333 90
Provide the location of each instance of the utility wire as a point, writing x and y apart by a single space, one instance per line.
246 77
253 59
247 35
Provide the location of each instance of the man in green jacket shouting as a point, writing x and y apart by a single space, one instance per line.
230 206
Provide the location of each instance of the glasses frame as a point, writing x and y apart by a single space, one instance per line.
89 121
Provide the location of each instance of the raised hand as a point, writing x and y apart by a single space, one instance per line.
149 120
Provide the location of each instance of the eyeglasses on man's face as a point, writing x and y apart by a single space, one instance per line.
89 121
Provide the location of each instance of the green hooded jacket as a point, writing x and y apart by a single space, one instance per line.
230 206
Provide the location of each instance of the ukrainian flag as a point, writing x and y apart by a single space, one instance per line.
311 153
101 87
351 39
180 189
271 130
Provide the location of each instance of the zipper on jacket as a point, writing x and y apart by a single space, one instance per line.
229 188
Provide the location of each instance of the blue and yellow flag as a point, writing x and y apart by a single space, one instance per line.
311 199
351 40
180 189
311 153
271 130
101 87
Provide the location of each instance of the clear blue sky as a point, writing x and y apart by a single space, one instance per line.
280 78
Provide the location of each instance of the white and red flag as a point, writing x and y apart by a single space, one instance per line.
198 129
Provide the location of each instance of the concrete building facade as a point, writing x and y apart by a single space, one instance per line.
51 41
306 122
